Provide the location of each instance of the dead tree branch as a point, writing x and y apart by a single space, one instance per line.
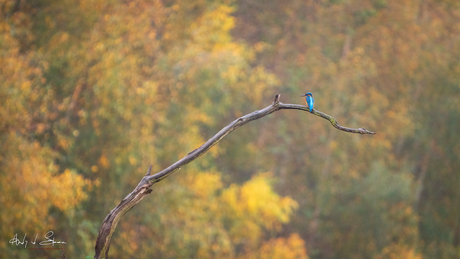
144 187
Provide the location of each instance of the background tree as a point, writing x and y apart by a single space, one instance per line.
92 92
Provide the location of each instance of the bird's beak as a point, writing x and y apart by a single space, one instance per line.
303 95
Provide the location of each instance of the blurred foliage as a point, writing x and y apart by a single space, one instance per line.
94 91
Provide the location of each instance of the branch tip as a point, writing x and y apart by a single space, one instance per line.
277 99
365 131
150 170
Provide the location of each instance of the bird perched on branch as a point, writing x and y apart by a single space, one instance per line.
309 100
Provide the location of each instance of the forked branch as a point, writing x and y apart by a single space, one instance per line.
143 188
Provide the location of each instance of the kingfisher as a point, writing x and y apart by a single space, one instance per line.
309 100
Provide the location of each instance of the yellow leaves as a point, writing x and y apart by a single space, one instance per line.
257 84
259 202
398 251
400 118
219 218
132 160
100 46
30 179
19 77
292 247
333 145
260 46
175 7
357 65
63 38
260 198
195 115
232 74
121 75
104 161
64 141
49 22
211 31
223 15
205 184
68 190
25 86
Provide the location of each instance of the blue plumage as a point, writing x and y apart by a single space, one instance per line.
309 100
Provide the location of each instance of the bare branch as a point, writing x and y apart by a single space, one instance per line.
143 188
